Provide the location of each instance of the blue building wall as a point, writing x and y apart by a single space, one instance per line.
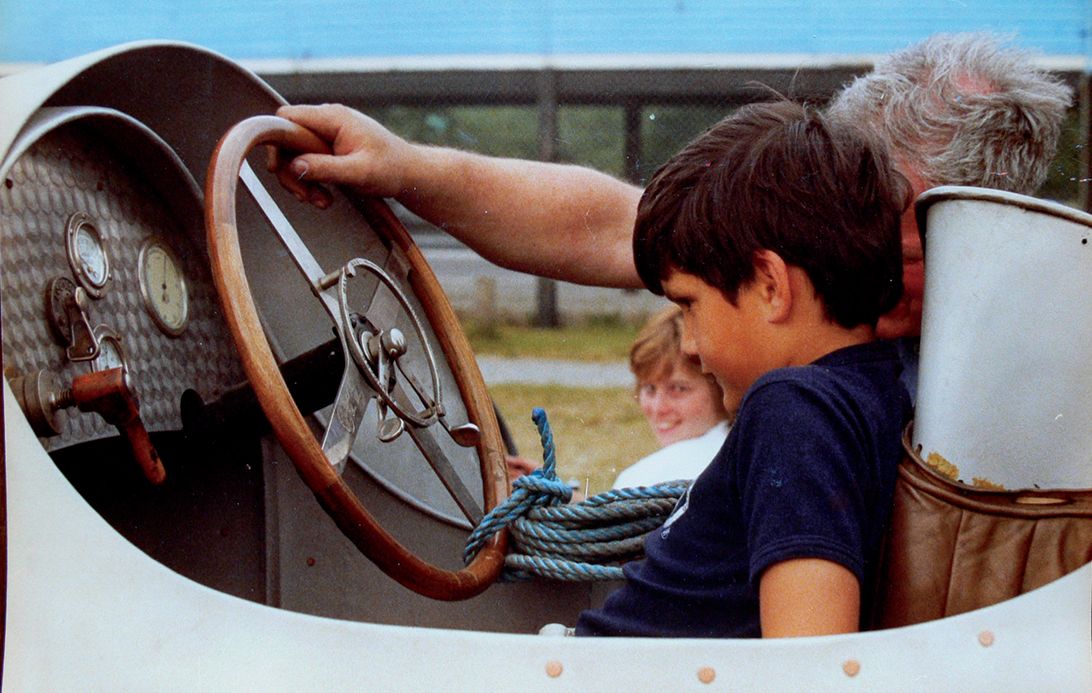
49 30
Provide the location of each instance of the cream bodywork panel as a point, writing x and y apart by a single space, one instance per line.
86 610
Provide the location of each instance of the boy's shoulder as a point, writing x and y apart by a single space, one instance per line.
875 358
864 378
845 411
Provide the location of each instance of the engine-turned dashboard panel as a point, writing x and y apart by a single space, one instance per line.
103 264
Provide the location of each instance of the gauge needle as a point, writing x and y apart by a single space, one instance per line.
163 263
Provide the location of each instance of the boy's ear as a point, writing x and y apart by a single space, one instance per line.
773 279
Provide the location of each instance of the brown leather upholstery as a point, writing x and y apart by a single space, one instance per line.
954 548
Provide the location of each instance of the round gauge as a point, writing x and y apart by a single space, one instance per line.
60 294
163 287
111 355
87 254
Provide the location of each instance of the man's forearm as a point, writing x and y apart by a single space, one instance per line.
554 220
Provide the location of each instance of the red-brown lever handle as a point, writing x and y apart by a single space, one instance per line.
108 393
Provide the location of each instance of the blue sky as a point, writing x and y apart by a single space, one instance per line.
49 30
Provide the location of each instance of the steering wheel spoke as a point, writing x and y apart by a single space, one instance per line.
291 240
425 439
350 406
381 363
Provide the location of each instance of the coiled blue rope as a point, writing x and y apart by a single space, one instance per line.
580 542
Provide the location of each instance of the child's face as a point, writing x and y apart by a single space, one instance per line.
679 405
727 338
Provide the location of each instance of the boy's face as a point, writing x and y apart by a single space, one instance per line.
727 338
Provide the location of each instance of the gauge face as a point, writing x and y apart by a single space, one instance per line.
87 254
59 295
163 287
111 355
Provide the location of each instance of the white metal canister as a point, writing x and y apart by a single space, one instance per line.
1005 381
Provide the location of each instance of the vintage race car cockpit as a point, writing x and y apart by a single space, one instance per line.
246 439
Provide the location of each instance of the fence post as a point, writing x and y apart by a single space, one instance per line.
546 314
632 155
485 289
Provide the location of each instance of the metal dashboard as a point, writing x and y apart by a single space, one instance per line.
131 188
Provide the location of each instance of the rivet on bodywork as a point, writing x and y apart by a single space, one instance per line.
707 674
851 667
985 638
554 669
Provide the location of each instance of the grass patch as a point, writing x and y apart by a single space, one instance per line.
597 432
601 339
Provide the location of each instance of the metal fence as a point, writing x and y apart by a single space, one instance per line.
622 120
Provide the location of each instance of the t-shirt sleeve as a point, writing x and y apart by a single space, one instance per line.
801 475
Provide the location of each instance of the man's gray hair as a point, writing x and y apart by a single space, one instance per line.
962 109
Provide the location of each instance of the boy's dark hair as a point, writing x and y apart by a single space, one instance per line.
779 176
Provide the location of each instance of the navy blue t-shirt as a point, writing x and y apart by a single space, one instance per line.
808 471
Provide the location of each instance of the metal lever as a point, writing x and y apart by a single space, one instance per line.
384 350
465 435
107 393
67 307
84 346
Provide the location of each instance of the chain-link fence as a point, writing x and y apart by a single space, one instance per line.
628 133
590 135
623 122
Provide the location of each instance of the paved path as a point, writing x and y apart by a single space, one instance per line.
497 370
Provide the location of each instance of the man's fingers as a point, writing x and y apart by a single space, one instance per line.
275 163
321 120
305 190
358 144
324 168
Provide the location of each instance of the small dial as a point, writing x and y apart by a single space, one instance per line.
60 295
164 287
87 254
111 353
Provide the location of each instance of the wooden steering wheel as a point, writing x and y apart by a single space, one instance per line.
375 353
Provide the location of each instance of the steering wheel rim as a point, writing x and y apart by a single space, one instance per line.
288 423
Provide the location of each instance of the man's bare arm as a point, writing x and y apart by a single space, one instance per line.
554 220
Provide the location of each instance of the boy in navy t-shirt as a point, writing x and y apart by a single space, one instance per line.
777 232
